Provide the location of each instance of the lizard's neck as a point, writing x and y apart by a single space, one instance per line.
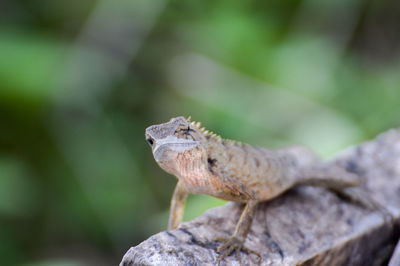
192 171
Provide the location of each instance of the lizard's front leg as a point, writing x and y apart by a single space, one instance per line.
177 206
236 242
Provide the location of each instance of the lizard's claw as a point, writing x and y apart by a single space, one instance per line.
233 244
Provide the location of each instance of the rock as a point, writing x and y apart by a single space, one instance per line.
305 226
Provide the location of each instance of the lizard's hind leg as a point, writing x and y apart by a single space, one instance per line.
344 184
359 197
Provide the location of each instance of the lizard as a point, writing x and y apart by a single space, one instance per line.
204 163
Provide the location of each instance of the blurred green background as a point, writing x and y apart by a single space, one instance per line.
81 80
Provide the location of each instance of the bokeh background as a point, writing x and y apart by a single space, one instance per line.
80 80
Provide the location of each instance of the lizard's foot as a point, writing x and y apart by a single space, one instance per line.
236 245
273 246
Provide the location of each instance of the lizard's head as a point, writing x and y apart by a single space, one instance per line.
177 138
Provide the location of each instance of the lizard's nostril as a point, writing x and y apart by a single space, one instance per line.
150 141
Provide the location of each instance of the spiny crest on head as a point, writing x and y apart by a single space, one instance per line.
204 131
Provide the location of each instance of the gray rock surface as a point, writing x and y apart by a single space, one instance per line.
306 226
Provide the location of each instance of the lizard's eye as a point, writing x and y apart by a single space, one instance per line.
150 141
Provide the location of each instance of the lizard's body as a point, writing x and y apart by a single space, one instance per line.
206 164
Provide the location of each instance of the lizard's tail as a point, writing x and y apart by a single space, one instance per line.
327 176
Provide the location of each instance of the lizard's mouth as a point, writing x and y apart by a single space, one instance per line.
166 149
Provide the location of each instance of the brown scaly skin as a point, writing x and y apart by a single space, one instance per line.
206 164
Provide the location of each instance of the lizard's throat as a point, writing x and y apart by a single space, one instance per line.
190 168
